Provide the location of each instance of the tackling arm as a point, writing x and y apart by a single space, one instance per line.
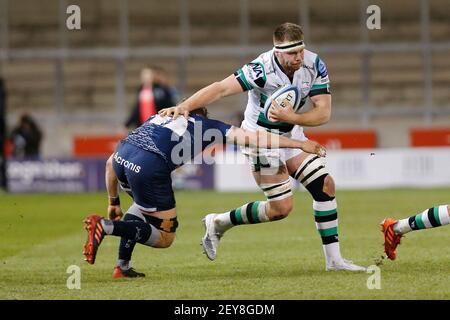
263 139
227 87
114 210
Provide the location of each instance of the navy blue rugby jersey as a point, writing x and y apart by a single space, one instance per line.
178 141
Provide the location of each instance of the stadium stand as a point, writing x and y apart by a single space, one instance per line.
395 81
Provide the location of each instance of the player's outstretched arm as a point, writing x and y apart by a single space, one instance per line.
263 139
114 210
202 98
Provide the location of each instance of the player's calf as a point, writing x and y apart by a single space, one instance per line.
153 232
277 206
165 240
278 210
138 228
314 176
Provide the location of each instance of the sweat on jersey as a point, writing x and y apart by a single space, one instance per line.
264 75
178 141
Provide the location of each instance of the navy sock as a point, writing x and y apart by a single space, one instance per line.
138 231
126 248
128 234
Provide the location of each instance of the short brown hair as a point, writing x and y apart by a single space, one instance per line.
287 32
203 112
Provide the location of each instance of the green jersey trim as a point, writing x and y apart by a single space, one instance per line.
240 77
283 127
262 100
319 89
320 86
260 73
316 64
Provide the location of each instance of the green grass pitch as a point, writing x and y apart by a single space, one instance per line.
42 235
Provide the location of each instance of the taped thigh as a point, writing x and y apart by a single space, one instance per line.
277 191
157 225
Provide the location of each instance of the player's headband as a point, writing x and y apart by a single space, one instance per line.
289 46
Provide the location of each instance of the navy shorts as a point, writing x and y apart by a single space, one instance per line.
145 176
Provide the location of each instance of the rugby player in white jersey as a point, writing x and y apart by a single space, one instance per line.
394 230
287 63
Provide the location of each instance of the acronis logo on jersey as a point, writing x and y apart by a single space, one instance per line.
127 164
323 72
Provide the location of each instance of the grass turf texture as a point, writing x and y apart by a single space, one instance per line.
43 234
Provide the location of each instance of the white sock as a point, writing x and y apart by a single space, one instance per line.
124 264
325 215
430 218
402 226
223 222
332 252
107 225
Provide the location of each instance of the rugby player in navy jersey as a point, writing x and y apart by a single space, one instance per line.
142 164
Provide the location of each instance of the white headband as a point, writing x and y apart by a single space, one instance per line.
289 46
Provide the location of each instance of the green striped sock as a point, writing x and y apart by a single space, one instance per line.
325 216
250 213
327 225
430 218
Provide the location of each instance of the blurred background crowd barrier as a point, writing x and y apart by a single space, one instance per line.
390 85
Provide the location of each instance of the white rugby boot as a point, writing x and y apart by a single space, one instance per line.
210 240
343 264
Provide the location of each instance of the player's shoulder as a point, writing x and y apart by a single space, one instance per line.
195 117
198 118
314 62
265 57
159 120
258 69
310 59
208 123
263 62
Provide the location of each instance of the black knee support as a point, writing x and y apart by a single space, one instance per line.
315 187
167 225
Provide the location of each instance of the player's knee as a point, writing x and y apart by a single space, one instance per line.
328 186
165 240
322 188
314 176
280 209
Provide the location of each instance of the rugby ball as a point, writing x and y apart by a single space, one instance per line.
286 95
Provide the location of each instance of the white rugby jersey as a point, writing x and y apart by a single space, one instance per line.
264 75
